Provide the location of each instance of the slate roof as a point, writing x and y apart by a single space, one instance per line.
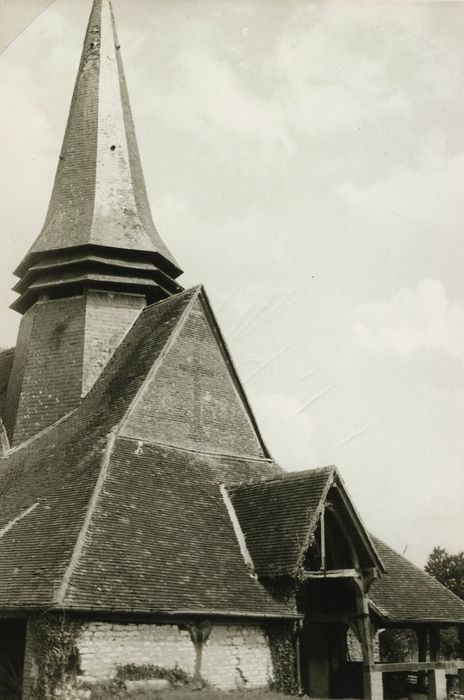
99 195
93 521
408 594
278 517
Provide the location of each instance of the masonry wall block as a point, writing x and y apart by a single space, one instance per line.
237 656
104 646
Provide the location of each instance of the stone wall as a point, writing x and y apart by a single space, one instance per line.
354 648
104 646
233 656
237 656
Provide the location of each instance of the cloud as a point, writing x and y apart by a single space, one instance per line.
287 432
329 85
209 95
415 319
427 195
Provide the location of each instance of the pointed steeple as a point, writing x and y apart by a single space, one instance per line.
99 230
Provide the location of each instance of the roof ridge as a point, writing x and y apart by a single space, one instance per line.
159 443
62 590
286 475
159 360
184 292
232 369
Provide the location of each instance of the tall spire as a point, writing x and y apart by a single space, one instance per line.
99 229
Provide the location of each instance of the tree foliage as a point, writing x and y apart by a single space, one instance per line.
448 569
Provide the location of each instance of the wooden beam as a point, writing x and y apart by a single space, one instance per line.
331 618
331 573
411 666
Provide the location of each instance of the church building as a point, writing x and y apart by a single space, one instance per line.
143 521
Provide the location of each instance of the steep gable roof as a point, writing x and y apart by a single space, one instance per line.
57 471
408 594
91 519
279 517
194 399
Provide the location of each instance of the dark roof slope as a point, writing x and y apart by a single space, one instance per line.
6 362
408 594
94 521
161 539
278 516
58 470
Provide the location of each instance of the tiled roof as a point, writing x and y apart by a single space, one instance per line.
161 538
6 362
408 594
58 470
93 521
278 516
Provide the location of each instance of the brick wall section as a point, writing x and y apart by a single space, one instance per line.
62 348
237 656
192 402
108 318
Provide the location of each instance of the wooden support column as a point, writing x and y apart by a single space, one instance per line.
434 637
437 678
372 678
422 644
461 656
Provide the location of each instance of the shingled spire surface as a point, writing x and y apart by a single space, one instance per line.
99 229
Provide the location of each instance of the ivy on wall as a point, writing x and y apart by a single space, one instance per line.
53 640
283 654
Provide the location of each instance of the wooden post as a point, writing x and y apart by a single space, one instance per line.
323 567
422 644
434 636
297 635
461 656
372 679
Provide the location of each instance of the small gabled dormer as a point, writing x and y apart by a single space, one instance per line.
340 545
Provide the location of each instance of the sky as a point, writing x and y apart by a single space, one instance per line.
305 162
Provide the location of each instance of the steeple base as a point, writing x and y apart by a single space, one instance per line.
63 345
